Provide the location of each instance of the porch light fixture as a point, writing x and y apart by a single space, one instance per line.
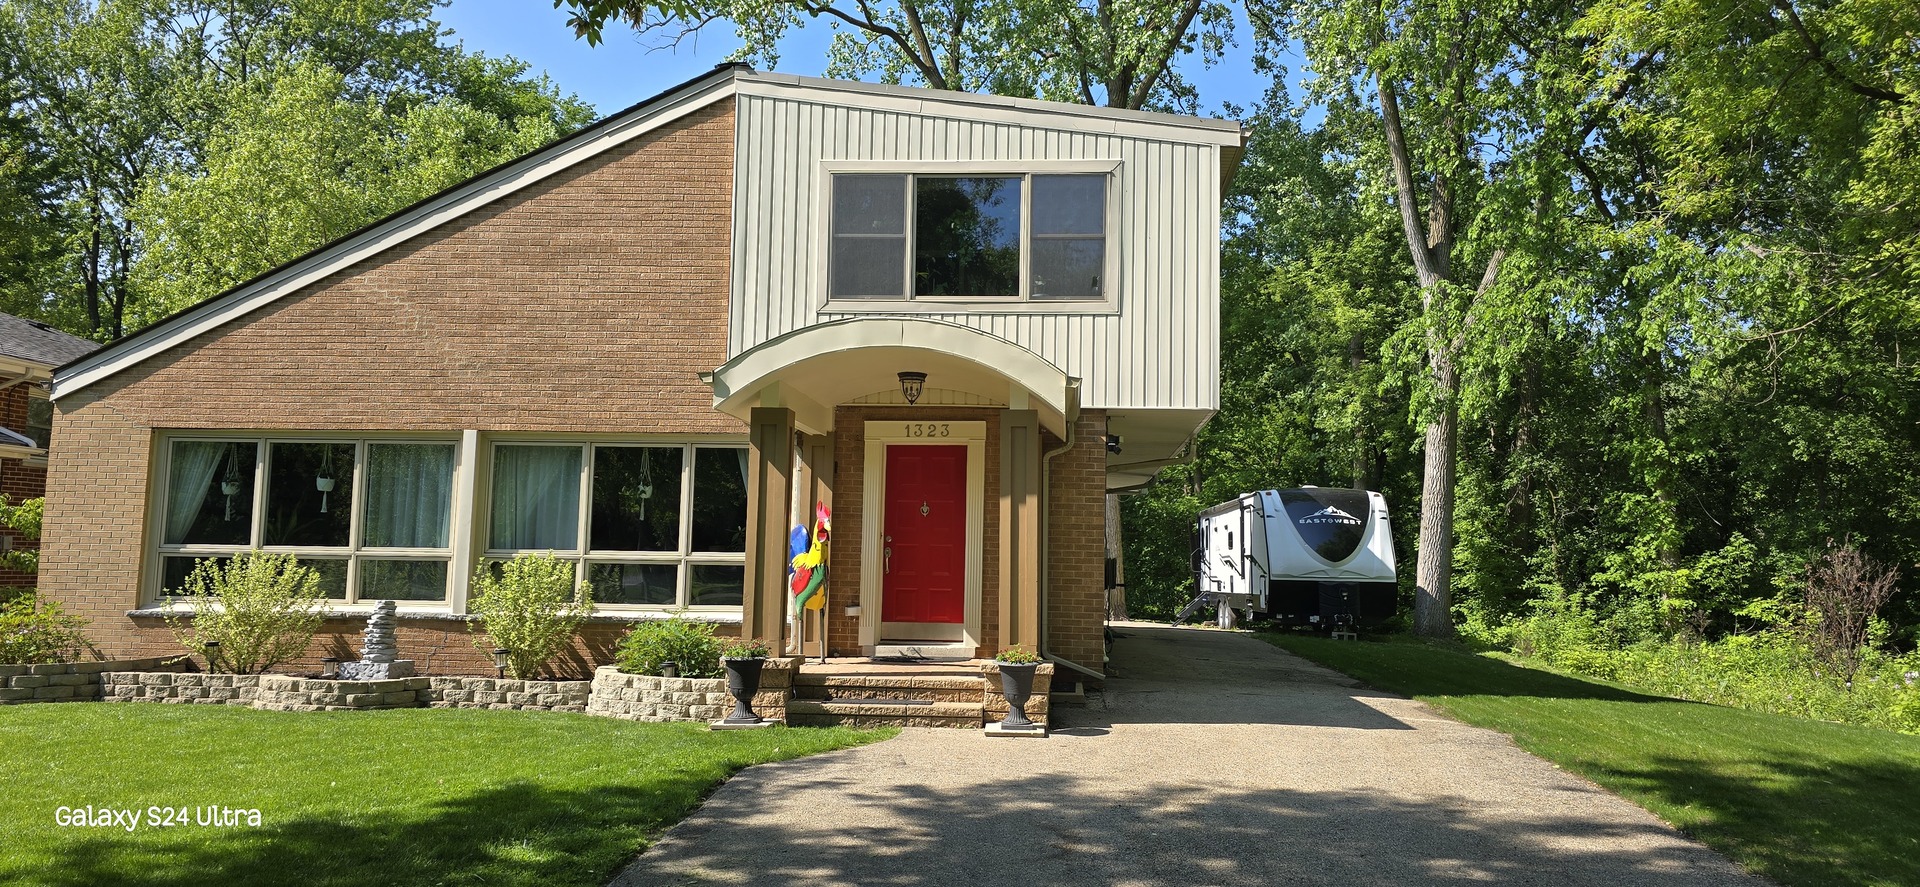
1113 443
911 384
330 666
500 661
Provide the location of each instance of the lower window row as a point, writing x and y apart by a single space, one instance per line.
644 584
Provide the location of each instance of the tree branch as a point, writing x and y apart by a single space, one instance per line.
1820 55
1423 264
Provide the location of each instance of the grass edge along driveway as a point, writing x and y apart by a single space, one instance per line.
1801 802
357 798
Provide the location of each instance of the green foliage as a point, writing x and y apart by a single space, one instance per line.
1017 655
689 645
536 799
157 153
1774 669
737 648
531 607
261 609
32 631
1122 54
23 519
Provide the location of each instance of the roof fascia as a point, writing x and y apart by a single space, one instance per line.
444 207
1022 112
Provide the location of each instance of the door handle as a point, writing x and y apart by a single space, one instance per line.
888 557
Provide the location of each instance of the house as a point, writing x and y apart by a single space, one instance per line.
655 345
29 350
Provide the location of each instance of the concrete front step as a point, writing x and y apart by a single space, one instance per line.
932 688
814 713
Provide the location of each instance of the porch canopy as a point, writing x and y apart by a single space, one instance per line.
813 369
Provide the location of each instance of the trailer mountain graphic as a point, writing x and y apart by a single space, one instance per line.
1329 515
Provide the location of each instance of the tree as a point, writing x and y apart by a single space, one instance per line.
116 110
1117 53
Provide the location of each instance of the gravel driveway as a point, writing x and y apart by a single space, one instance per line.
1213 758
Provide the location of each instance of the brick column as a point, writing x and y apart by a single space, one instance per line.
763 610
1019 529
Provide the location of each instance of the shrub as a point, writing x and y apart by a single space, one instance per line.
689 645
262 609
735 648
531 606
1845 589
1017 655
33 632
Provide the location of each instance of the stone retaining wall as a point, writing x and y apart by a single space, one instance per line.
611 693
284 693
505 693
180 687
636 697
70 681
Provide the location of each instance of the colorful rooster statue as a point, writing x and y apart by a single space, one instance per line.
810 566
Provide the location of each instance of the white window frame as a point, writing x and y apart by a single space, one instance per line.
1021 303
353 553
583 556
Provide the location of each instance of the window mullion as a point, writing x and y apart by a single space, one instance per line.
1023 291
908 214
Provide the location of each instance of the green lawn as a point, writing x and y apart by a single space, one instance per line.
1802 802
348 798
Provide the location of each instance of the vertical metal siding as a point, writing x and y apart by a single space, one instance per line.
1160 351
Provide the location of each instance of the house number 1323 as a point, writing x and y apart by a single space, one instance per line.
929 429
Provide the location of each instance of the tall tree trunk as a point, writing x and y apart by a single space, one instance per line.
1433 570
90 266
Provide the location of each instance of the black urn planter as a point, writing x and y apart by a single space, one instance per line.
1016 681
743 680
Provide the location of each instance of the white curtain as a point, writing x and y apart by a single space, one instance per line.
536 498
409 496
195 462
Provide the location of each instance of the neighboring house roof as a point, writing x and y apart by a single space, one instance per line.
36 342
722 82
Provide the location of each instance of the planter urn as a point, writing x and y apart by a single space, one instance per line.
743 680
1016 681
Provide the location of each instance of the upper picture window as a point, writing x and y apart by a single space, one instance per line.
969 237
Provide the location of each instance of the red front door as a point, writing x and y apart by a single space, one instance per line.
924 544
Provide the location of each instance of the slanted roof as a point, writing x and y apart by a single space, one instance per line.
35 342
723 82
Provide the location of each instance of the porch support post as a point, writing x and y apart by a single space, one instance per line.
1020 519
763 609
815 486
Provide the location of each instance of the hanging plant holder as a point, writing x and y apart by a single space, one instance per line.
324 482
230 485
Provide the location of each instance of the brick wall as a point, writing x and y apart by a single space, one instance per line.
1076 543
585 303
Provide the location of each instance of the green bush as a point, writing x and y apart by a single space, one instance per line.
262 609
531 606
736 648
689 645
33 632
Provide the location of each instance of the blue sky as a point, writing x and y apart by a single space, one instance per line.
621 71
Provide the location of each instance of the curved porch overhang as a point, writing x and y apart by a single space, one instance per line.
813 369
